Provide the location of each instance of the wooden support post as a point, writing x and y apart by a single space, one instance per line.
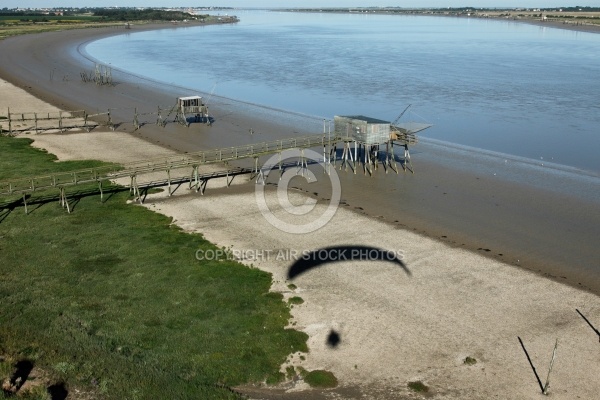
375 156
334 154
136 190
9 123
60 121
101 193
136 123
394 159
140 197
387 156
110 123
36 123
66 201
169 181
85 121
370 161
355 155
589 323
63 200
531 364
348 156
259 172
407 158
25 204
302 161
547 385
280 170
196 182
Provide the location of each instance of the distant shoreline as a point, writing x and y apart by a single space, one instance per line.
563 25
577 26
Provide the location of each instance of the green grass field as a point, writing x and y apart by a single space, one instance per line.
14 27
111 298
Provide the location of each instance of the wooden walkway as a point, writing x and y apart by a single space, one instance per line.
26 186
197 180
194 160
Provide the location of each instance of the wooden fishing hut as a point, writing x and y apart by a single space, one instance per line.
191 109
367 134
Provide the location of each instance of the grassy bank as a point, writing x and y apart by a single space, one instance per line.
111 299
8 29
13 26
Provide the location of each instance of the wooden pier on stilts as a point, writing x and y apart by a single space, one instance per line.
361 139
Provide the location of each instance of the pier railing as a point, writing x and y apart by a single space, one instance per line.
71 178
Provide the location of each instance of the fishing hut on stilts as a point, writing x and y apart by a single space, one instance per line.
191 109
363 138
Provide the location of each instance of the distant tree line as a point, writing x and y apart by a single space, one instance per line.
6 13
401 10
108 14
132 14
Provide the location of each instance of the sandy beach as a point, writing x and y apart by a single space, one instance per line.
487 265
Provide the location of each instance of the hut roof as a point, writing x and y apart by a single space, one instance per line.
368 120
190 98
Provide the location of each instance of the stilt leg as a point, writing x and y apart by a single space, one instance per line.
355 156
280 170
407 158
394 159
387 157
169 181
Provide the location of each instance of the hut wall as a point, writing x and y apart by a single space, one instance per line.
362 129
191 105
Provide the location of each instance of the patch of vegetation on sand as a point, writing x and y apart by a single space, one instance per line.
418 386
321 379
470 361
295 300
111 298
